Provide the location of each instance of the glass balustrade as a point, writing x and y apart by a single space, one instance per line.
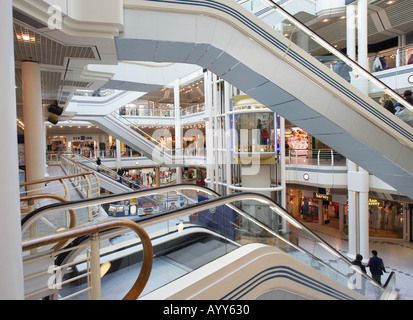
309 41
190 216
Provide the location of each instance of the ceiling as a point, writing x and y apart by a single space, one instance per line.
32 43
385 21
192 92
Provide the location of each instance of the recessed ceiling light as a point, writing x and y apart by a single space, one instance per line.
326 20
410 78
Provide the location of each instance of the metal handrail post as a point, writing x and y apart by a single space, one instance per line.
95 293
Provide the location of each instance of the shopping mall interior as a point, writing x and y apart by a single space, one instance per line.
240 149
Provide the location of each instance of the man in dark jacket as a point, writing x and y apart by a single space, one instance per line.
358 262
376 266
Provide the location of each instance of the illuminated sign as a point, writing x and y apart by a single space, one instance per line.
322 196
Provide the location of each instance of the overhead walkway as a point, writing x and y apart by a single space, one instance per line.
242 246
259 60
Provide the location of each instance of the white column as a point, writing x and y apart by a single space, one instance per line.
228 142
352 211
362 34
351 31
34 137
358 210
216 129
282 162
209 129
178 132
363 231
11 277
118 154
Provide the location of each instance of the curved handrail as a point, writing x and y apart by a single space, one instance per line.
59 178
147 221
39 212
50 196
27 183
146 268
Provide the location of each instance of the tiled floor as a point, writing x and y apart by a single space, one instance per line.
396 254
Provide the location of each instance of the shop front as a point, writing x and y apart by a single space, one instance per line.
385 217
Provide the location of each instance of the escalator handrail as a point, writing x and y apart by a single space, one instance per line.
141 132
74 204
95 167
147 264
220 200
226 200
55 197
262 34
339 54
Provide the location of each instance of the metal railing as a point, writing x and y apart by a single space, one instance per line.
272 222
46 271
318 157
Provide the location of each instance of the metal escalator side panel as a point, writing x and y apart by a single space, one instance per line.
251 272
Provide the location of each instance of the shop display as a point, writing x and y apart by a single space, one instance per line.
297 140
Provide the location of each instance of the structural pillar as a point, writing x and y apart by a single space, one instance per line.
178 133
228 142
351 213
351 31
11 277
364 214
362 34
34 137
362 46
118 155
358 210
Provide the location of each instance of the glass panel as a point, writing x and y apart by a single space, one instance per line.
255 132
331 58
205 227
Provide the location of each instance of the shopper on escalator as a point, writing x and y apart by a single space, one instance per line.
376 266
402 112
358 262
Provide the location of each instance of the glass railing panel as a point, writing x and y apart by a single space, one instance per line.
159 138
300 35
252 221
114 245
217 225
134 205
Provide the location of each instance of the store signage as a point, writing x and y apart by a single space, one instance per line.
322 196
374 202
82 138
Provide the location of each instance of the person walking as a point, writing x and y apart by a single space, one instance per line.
98 163
376 266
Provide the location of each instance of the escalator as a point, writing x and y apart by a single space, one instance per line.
261 57
122 129
108 178
242 246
